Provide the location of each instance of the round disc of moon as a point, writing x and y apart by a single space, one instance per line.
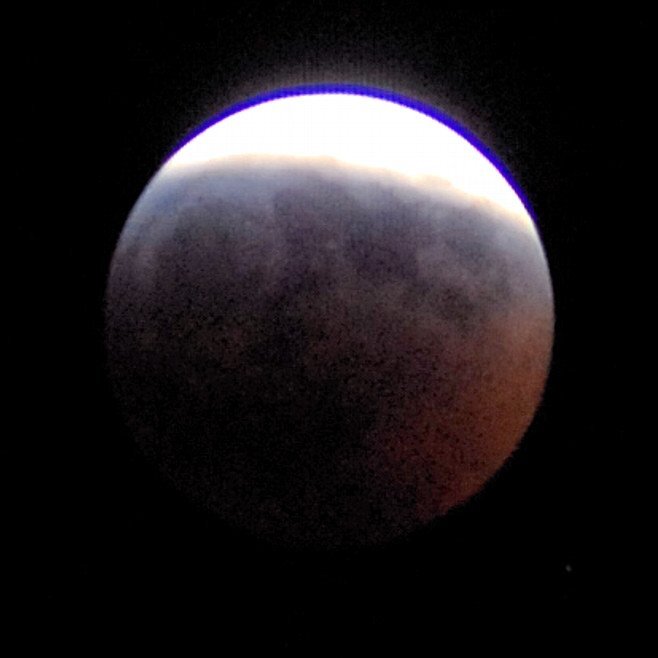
329 319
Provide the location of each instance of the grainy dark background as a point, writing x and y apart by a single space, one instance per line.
113 548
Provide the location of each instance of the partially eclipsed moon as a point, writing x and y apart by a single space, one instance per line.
329 319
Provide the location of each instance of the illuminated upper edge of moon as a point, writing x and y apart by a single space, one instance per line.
358 130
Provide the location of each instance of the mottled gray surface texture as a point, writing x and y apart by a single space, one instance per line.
325 356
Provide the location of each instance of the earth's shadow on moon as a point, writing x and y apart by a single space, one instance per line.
326 357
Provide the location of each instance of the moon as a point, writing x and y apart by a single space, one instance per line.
329 318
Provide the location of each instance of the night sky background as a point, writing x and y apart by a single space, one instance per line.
113 549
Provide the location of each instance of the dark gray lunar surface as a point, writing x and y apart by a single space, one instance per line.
325 355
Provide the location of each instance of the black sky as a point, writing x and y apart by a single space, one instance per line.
108 97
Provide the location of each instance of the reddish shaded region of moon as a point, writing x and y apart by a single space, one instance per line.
323 355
